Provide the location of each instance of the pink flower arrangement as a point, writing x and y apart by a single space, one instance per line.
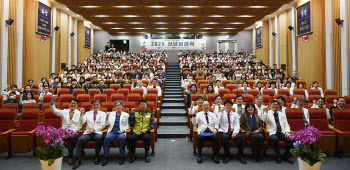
51 134
307 135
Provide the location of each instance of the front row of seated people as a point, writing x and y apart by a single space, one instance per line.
142 122
228 121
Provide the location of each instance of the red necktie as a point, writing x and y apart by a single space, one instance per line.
229 124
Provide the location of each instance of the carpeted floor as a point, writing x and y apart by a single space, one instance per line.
171 154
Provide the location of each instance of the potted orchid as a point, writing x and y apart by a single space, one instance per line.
51 155
307 158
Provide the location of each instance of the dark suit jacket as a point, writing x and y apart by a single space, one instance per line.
71 88
245 125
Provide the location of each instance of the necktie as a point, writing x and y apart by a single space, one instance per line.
279 129
260 90
206 117
229 123
71 115
95 113
154 86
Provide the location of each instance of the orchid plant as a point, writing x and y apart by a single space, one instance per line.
53 139
304 138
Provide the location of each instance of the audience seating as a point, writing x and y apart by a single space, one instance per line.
101 97
330 92
295 119
341 119
76 92
7 123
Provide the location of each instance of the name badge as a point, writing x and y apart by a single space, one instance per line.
148 116
98 123
122 123
69 125
213 125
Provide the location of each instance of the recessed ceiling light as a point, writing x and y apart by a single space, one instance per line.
109 23
186 22
122 6
257 6
89 6
116 28
77 15
161 28
245 16
189 6
211 23
139 28
207 28
101 15
184 28
230 28
158 16
223 6
216 16
188 15
156 6
160 23
130 15
67 9
135 22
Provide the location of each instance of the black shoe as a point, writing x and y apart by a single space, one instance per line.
216 159
105 161
76 164
278 159
199 158
121 160
259 159
242 160
226 159
97 160
255 158
132 158
147 158
288 159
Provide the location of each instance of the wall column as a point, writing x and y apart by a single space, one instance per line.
19 42
53 40
329 44
270 44
277 45
294 53
92 45
75 42
4 33
344 47
254 40
69 56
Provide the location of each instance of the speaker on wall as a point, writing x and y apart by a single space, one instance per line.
199 36
146 36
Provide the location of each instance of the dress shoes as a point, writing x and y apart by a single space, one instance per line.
242 160
278 160
216 159
132 158
121 160
226 159
105 161
147 158
199 158
76 164
70 161
97 160
288 159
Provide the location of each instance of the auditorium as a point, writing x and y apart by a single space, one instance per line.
174 84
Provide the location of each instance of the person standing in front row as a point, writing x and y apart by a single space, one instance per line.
142 122
277 125
207 129
71 119
95 123
230 126
118 125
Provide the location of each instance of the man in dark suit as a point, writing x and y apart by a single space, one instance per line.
107 47
73 86
87 86
101 86
340 103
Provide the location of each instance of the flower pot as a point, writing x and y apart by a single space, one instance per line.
305 166
55 166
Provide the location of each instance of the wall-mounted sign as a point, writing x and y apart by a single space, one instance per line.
43 38
258 37
172 44
305 38
87 37
44 19
304 19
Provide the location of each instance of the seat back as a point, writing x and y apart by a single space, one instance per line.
331 92
269 92
330 98
229 97
231 86
203 87
318 119
92 92
35 91
83 98
152 91
129 105
47 98
134 98
266 99
87 106
108 105
29 120
194 97
123 91
341 119
101 97
7 120
222 92
299 92
251 83
138 91
62 91
314 92
253 92
10 106
284 91
115 97
238 91
248 98
31 106
211 97
115 87
76 92
51 119
295 119
313 97
226 82
65 98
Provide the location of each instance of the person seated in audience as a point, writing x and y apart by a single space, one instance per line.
52 78
315 86
118 125
94 81
253 127
259 105
320 103
217 105
193 90
210 90
187 81
13 89
72 86
259 87
300 103
87 86
11 98
192 109
45 92
281 100
301 86
28 99
81 81
155 86
57 79
58 87
30 83
238 83
273 87
230 126
294 77
142 122
279 130
245 87
120 81
212 81
239 104
101 86
289 87
207 129
72 119
160 73
160 82
218 86
95 123
279 85
43 82
339 103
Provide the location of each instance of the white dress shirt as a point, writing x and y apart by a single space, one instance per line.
123 121
158 89
305 111
236 110
223 122
99 124
260 109
74 124
271 126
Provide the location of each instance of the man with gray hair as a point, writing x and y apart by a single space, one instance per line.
300 103
259 105
118 124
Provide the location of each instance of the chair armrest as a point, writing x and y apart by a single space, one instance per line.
8 132
158 113
32 132
266 135
242 131
338 131
81 131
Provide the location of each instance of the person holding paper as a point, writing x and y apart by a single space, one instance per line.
207 129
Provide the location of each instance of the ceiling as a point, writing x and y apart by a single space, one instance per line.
173 16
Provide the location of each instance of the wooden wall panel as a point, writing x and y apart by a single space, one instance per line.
72 41
273 41
264 51
282 26
289 44
63 38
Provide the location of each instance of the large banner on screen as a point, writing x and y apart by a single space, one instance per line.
258 39
304 19
87 37
173 44
44 19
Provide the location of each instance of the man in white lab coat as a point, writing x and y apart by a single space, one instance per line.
207 129
72 119
95 123
278 127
